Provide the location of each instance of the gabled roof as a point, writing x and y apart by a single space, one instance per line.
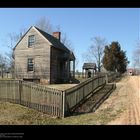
54 41
89 66
71 56
22 37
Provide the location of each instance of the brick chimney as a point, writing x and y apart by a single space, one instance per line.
57 35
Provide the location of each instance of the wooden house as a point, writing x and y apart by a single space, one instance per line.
41 56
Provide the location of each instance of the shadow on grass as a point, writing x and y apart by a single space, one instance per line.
75 81
93 103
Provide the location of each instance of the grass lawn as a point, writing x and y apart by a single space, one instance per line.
7 79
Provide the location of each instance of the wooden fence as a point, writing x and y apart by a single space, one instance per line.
50 101
32 95
77 94
9 90
110 77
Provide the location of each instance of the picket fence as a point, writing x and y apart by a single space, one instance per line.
51 101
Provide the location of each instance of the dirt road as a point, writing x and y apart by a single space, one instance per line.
131 116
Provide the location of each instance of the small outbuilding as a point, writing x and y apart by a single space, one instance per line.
88 70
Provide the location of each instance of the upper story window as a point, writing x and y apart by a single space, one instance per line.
31 40
30 66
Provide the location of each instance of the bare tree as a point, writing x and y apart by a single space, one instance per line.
67 42
136 56
3 65
64 38
13 39
45 25
95 51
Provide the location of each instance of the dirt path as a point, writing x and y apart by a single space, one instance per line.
131 87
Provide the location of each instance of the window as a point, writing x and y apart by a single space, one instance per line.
31 40
30 66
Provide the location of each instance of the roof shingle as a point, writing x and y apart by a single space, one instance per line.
89 66
55 42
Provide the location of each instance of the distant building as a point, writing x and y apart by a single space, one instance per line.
132 71
39 55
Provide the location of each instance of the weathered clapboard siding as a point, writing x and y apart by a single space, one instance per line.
59 70
40 52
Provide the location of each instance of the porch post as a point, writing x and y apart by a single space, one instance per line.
68 69
73 68
82 73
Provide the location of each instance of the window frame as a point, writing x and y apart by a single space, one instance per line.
31 40
30 65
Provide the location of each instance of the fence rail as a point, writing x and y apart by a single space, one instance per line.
77 94
112 76
32 95
50 101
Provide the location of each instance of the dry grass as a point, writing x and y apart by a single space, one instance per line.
61 86
13 114
65 86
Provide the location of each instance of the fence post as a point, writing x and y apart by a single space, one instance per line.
63 104
20 91
106 79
